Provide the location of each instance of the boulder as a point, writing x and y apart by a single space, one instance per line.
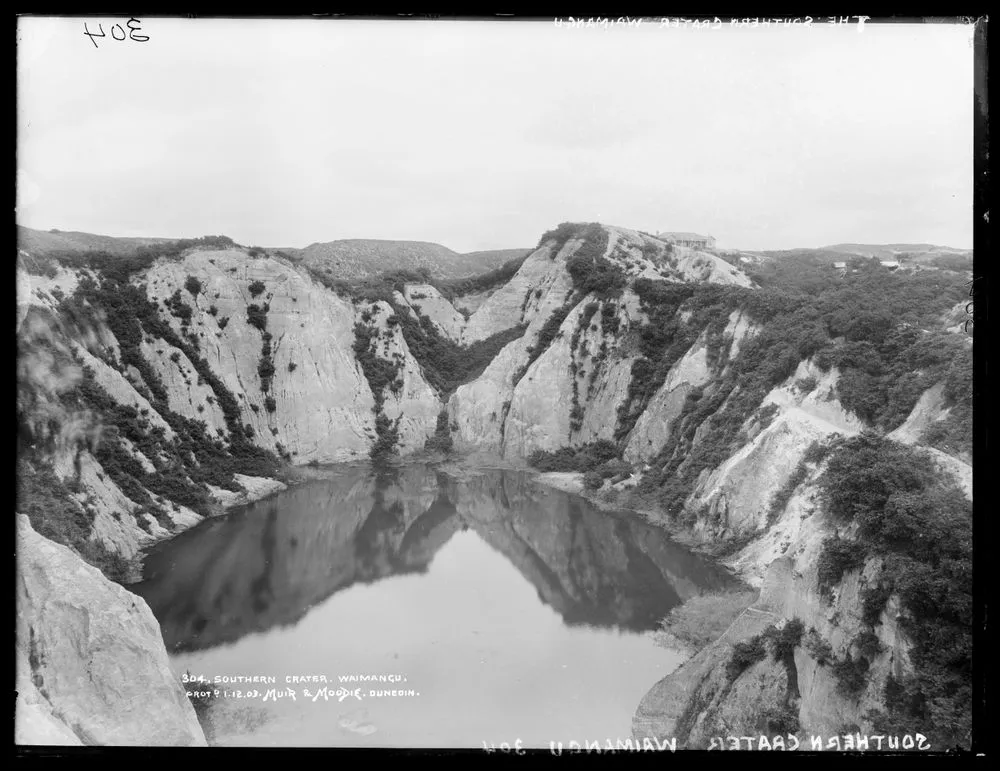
91 665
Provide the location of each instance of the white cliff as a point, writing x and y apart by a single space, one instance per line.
91 665
323 403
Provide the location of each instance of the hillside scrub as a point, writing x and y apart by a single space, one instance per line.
445 364
590 271
745 654
563 233
914 518
123 267
387 441
441 441
46 501
665 338
129 313
953 435
614 470
859 324
784 494
380 373
587 457
257 318
785 640
455 288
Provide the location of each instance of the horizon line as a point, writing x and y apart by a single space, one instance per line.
499 248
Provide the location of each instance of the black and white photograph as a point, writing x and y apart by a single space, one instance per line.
498 385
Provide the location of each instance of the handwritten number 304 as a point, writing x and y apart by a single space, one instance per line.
132 24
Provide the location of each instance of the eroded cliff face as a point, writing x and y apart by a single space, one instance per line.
413 406
321 406
91 665
780 555
539 289
283 349
700 700
322 402
735 498
654 425
570 392
576 372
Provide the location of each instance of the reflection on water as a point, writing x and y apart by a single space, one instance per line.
515 610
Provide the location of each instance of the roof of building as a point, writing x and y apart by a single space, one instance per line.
889 262
840 264
684 236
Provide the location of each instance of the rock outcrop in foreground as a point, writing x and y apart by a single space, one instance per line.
91 665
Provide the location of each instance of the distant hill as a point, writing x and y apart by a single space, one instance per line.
494 258
917 256
362 258
347 259
887 251
44 242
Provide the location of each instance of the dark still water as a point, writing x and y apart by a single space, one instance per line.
506 610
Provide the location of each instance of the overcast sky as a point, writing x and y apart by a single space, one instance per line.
482 135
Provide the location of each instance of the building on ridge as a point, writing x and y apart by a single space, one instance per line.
694 240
